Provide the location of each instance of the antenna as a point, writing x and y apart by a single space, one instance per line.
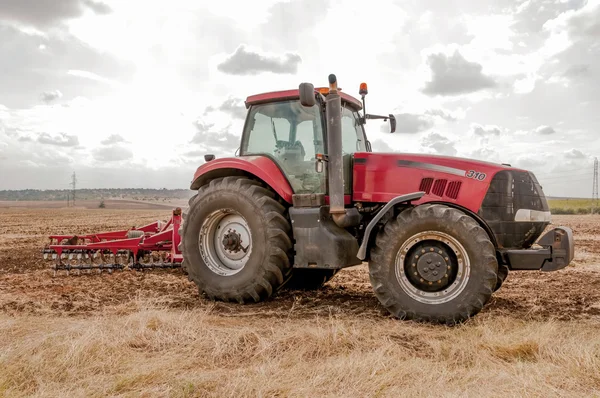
74 184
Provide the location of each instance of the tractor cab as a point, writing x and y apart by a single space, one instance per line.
294 137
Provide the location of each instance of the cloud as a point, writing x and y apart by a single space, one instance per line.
51 96
25 68
98 7
232 106
486 154
194 154
446 115
3 146
90 75
574 154
545 130
528 162
244 62
439 144
46 13
64 140
25 138
454 75
575 71
221 141
484 131
381 146
297 16
112 139
410 123
114 153
585 22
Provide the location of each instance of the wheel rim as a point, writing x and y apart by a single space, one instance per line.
432 267
225 242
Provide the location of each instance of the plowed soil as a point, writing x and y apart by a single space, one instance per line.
534 308
27 283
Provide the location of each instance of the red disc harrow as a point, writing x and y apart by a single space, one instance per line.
147 247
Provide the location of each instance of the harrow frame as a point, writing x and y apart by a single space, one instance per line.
133 243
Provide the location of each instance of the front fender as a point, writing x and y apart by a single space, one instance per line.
258 166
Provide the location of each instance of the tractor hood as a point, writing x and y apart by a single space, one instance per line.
379 177
508 200
449 166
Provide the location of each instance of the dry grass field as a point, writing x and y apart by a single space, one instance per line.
150 334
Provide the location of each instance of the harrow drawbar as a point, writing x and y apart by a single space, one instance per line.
152 246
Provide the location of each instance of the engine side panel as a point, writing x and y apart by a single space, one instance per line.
259 166
379 177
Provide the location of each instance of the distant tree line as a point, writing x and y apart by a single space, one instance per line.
96 194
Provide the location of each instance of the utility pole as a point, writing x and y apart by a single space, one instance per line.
74 184
595 186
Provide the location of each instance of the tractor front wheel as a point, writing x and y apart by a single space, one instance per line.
433 263
236 241
502 275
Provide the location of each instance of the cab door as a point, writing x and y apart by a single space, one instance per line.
291 135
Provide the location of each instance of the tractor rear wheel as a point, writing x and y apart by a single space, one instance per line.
236 240
433 263
309 279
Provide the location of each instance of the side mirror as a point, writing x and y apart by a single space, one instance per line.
209 157
392 123
307 94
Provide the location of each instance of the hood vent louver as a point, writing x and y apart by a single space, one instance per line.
453 189
440 187
426 184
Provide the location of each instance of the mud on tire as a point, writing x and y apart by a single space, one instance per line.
267 265
433 238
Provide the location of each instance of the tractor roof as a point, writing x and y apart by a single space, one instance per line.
294 94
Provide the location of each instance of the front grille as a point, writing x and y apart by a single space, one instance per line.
510 191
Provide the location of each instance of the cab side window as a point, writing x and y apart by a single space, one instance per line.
352 136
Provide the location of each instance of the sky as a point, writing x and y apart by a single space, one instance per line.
133 93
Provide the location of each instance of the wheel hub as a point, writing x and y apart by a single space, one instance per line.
225 242
231 241
431 266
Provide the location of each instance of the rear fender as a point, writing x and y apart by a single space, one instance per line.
260 167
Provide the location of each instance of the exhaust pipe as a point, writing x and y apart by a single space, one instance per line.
333 112
343 217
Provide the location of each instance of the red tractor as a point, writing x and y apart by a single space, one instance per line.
307 197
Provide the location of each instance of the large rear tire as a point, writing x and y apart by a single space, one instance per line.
433 263
309 279
236 241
